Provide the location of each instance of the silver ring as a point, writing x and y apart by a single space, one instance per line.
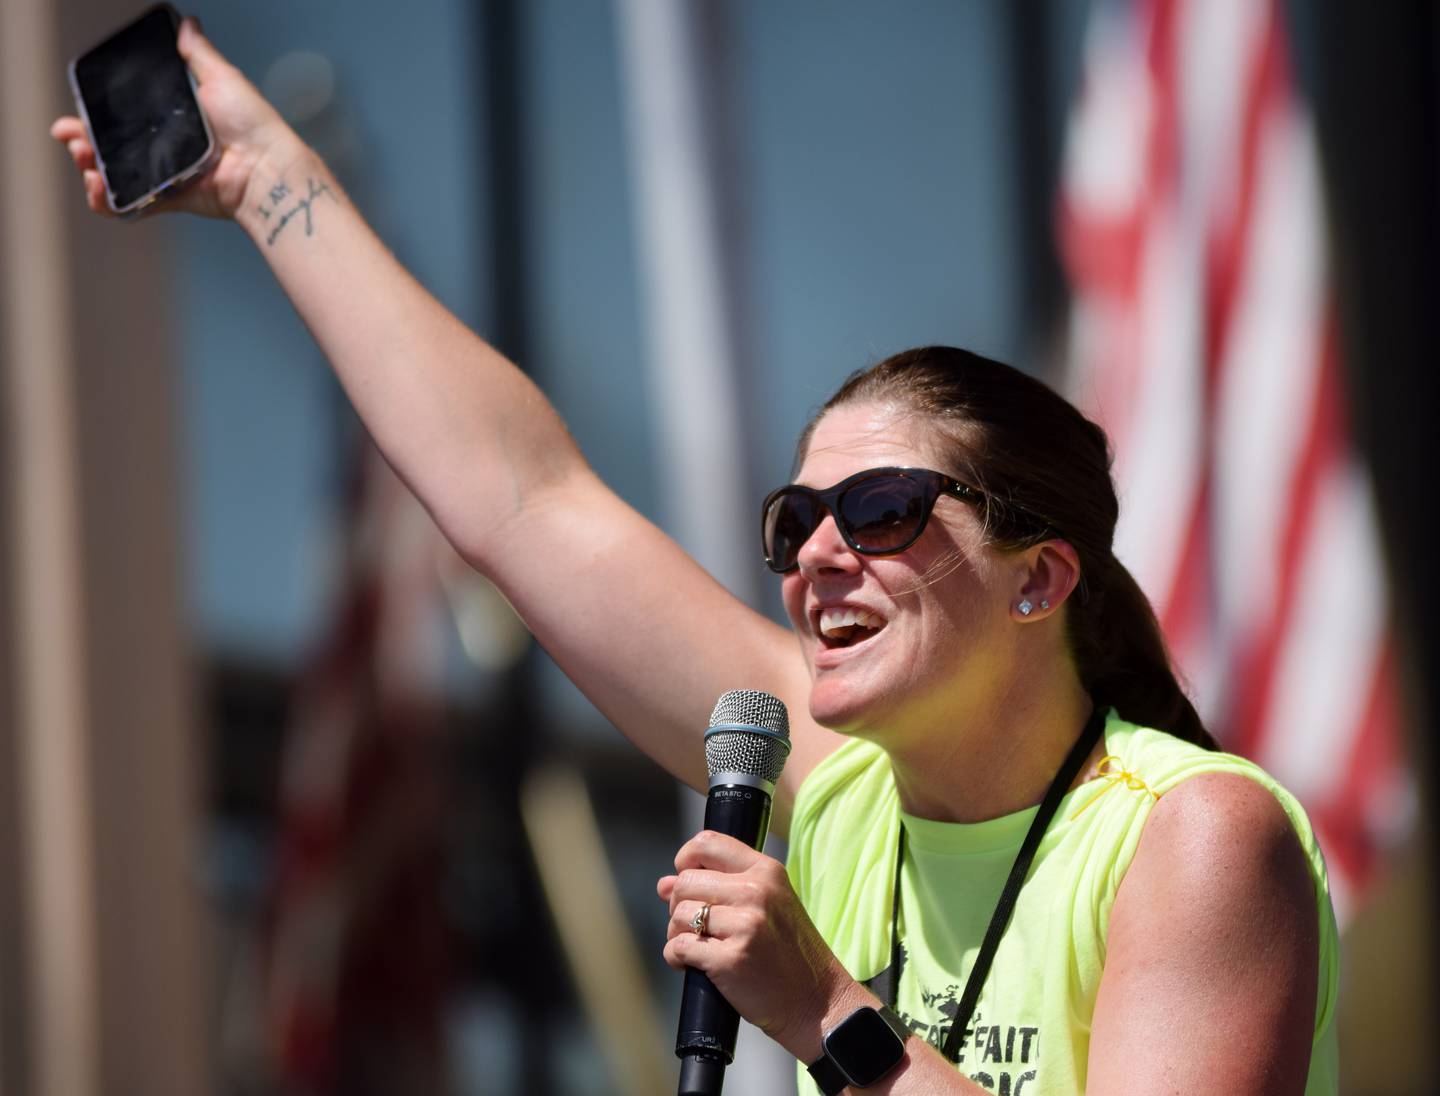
701 921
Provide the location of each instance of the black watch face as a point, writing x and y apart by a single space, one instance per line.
864 1047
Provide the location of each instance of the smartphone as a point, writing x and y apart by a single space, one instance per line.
137 99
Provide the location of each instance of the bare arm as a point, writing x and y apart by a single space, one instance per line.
637 624
1212 954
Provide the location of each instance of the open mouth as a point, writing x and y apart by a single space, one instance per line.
845 627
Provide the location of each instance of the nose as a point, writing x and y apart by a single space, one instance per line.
826 551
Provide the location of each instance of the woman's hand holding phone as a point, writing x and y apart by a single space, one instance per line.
252 140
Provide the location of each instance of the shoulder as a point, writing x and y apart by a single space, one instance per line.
1205 796
1216 814
1220 889
1228 831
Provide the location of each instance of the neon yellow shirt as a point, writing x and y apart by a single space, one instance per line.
1030 1034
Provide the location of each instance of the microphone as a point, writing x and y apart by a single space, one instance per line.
745 749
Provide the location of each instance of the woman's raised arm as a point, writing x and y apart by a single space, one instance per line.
635 622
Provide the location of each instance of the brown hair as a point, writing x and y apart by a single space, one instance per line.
1045 470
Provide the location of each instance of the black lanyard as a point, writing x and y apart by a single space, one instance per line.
955 1040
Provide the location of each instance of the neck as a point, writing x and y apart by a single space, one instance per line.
996 757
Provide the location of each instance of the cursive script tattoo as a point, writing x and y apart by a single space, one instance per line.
282 190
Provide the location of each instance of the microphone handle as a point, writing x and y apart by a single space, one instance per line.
705 1041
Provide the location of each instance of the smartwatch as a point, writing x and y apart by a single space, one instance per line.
860 1050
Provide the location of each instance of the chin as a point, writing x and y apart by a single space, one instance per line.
839 707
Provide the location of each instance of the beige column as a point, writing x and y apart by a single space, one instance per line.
106 923
58 1049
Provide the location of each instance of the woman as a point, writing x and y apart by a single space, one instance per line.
968 648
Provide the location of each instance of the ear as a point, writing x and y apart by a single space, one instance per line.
1050 572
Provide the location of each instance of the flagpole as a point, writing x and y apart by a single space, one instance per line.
693 366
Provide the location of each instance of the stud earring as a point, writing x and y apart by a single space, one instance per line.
1025 607
1044 604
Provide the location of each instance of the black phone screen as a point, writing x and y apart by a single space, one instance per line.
141 108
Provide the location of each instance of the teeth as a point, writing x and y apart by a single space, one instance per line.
833 621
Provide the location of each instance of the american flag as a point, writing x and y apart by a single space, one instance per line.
356 964
1204 340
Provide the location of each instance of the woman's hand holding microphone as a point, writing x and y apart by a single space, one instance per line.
756 942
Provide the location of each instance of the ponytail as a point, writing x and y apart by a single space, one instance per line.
1120 654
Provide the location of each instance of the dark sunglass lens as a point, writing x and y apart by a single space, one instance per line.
789 521
883 514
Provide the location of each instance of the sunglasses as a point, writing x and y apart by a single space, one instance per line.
878 511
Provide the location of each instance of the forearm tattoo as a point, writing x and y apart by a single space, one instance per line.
280 194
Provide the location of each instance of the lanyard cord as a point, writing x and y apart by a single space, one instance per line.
955 1040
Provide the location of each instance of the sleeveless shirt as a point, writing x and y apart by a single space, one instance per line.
1030 1034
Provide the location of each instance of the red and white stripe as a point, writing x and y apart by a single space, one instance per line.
353 940
1204 340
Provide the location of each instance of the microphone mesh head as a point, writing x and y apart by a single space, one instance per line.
749 733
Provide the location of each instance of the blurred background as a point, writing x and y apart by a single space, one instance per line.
290 803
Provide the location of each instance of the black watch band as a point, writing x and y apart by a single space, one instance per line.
860 1050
